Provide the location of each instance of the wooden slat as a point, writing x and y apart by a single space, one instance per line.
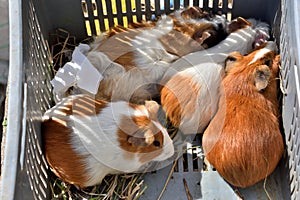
167 6
148 11
186 3
91 17
196 2
119 13
180 164
176 4
100 15
138 10
216 5
109 13
190 157
129 11
205 5
157 8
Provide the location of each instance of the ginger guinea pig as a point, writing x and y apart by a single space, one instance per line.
86 139
243 141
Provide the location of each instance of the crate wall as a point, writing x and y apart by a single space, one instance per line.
290 62
40 18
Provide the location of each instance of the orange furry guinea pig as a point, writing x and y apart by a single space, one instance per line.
243 141
86 139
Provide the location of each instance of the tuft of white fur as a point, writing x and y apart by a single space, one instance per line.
262 31
104 65
260 26
135 85
149 50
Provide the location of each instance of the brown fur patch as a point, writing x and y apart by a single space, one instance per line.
190 37
238 23
179 97
61 156
126 60
149 133
136 106
119 48
247 147
82 106
194 13
141 121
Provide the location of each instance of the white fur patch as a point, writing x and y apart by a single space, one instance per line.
240 40
150 51
98 135
271 46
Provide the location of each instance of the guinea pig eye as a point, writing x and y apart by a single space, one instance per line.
230 58
268 62
156 143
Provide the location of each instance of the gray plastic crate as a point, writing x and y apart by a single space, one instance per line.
25 171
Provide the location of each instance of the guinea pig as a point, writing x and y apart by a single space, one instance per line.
139 83
86 139
190 87
192 30
242 37
190 97
243 141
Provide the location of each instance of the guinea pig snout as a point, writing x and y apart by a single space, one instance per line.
167 147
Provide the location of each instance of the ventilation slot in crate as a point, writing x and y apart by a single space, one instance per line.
99 15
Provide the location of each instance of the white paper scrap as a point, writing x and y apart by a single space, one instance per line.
79 72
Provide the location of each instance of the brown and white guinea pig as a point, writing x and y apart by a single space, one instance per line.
138 83
242 38
86 139
192 30
190 98
190 87
133 76
243 141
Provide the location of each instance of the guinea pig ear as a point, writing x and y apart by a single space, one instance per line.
231 59
193 13
276 63
152 107
200 39
261 77
140 138
237 24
